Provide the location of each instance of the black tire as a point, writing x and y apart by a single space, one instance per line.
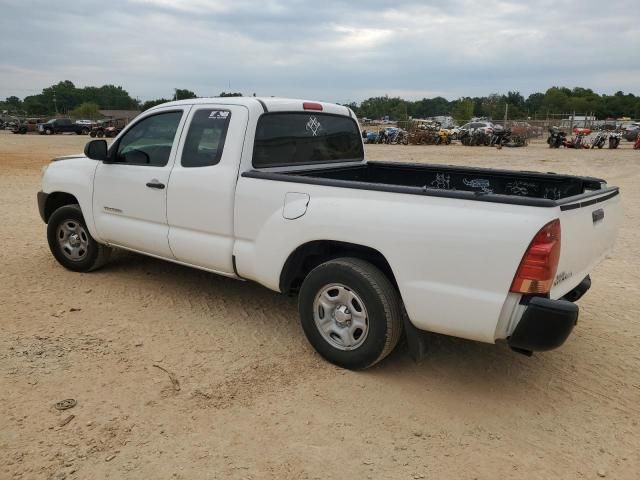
84 131
48 131
100 133
94 255
381 302
92 134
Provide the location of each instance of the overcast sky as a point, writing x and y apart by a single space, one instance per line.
322 49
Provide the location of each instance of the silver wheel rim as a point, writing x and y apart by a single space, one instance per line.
73 240
341 316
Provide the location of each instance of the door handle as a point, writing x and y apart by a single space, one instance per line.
155 184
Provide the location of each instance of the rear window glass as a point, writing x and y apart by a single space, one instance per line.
302 138
205 140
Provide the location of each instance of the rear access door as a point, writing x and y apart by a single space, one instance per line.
201 193
588 230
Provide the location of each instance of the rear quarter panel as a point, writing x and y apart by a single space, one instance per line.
454 260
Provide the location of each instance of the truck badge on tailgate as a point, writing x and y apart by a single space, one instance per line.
313 126
561 277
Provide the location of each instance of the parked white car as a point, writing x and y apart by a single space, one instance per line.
486 127
278 191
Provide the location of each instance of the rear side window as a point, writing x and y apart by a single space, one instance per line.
302 138
205 140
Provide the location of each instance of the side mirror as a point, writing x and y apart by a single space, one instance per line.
96 150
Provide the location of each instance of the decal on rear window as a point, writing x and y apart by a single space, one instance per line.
313 126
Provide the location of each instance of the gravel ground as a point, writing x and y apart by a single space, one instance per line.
254 399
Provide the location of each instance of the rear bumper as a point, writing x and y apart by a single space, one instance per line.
42 201
545 325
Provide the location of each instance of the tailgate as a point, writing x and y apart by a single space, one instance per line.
588 231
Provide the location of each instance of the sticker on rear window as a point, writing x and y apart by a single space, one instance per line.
313 126
218 114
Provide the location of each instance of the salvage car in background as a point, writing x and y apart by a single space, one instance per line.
30 125
630 131
108 128
62 125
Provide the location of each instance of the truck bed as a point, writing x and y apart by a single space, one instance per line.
490 185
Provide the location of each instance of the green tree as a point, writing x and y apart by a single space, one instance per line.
556 100
13 103
534 103
430 107
463 110
65 96
86 110
231 94
34 105
183 94
152 103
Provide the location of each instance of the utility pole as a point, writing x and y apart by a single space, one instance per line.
506 114
55 103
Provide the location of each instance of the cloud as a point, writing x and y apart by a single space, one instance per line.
330 50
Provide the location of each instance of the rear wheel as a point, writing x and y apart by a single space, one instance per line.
71 243
350 312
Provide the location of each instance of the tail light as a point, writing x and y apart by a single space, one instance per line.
538 267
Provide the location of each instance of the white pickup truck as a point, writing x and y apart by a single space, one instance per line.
278 191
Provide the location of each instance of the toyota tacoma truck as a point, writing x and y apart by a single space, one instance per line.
279 192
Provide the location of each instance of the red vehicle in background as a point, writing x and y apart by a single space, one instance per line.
636 145
582 131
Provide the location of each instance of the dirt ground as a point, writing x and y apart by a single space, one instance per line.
254 399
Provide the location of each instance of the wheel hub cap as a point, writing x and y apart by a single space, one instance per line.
341 316
73 240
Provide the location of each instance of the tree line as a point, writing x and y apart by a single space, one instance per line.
556 100
66 98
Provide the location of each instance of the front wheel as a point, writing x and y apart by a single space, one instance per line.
48 131
71 243
350 312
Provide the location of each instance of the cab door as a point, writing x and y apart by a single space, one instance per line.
130 189
201 193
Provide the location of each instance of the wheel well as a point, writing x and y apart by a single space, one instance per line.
56 200
308 256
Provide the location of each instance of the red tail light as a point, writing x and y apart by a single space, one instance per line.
312 106
538 267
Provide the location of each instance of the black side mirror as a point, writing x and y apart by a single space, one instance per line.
96 150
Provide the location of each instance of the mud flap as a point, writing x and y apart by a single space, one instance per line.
416 340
